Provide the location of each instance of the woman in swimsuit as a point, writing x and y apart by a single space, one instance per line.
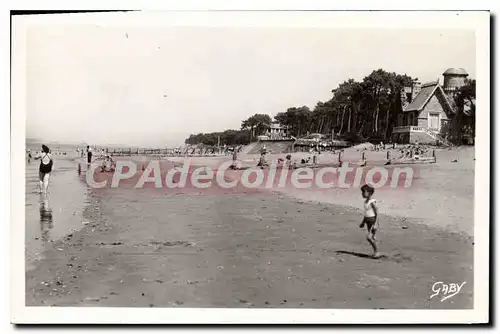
45 169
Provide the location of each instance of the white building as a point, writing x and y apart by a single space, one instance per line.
276 131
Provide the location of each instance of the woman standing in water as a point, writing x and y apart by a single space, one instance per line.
45 168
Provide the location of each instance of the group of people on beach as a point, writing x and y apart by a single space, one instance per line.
46 163
370 216
210 150
88 152
108 164
287 162
412 151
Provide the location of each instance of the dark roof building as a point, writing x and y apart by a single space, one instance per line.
428 107
428 91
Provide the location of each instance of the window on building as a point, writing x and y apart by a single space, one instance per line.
408 97
413 119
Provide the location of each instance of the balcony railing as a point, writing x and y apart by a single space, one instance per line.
411 128
407 128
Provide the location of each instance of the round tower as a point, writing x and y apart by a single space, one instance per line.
454 78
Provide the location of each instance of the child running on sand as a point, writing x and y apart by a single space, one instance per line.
370 217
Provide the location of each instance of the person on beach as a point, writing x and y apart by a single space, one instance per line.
29 156
89 155
235 157
262 161
45 169
370 218
288 161
316 156
108 165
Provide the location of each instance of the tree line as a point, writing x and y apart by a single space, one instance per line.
357 111
463 124
228 137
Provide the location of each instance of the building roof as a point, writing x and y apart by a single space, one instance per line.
276 126
455 71
425 94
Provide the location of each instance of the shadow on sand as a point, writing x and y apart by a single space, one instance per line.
362 255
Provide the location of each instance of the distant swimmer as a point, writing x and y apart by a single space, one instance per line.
89 155
45 169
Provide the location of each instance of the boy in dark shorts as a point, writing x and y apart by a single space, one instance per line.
370 218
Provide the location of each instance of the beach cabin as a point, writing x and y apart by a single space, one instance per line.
276 131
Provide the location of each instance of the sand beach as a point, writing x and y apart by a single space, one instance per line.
262 248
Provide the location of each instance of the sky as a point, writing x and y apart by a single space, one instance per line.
153 86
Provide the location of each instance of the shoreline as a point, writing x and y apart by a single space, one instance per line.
431 198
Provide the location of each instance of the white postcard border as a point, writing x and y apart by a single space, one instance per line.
479 21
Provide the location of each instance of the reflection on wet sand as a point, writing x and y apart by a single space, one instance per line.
46 221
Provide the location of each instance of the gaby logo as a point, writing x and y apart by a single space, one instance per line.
230 175
446 291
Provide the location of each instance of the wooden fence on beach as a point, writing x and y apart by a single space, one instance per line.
366 159
391 157
203 151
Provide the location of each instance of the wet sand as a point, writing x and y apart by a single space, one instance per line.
49 218
148 248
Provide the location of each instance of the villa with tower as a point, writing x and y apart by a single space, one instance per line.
427 108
